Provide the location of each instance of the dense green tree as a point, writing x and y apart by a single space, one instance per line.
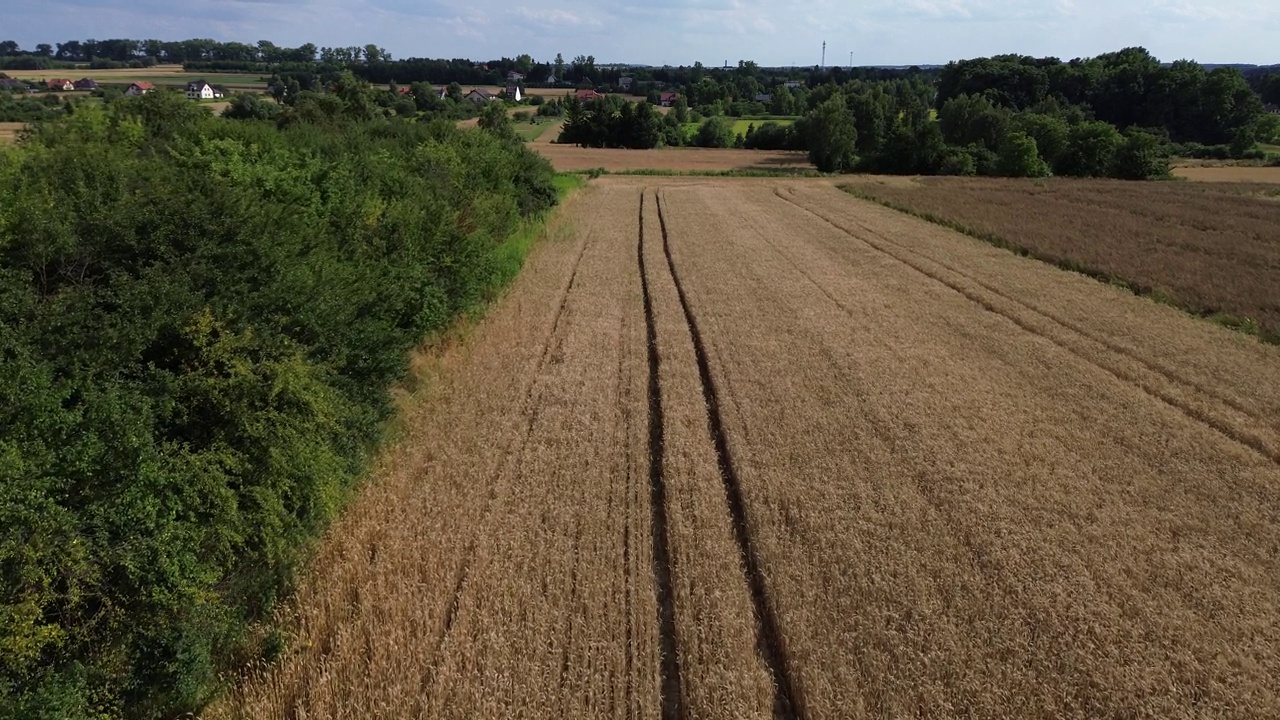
832 136
1090 151
973 119
1048 132
714 132
1140 157
1019 157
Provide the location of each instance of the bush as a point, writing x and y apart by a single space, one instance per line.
1019 157
714 132
1090 151
198 347
1140 157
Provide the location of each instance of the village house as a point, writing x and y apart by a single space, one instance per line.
479 96
667 99
60 85
86 84
515 77
140 88
12 85
513 93
764 97
201 90
1272 108
588 94
551 79
793 84
625 83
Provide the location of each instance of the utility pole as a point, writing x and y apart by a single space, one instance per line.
824 55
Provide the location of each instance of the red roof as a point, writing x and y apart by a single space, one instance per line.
588 94
143 85
404 90
669 96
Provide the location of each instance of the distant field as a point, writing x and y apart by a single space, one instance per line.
1211 249
740 126
158 75
1230 174
9 131
569 158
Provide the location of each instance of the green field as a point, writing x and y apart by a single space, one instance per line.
740 125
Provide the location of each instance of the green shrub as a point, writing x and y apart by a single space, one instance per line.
200 321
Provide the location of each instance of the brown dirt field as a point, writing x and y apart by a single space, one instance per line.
1239 174
569 158
78 73
9 131
1212 248
744 448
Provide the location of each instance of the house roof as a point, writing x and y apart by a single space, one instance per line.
588 94
12 83
196 85
669 95
87 81
513 89
142 85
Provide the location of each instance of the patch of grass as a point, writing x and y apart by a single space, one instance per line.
740 172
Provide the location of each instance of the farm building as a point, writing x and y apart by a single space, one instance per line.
201 90
12 85
60 84
667 99
140 88
86 84
479 96
625 83
587 95
513 93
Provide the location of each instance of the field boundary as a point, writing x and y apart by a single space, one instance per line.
1247 326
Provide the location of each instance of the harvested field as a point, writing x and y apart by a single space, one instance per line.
570 158
1210 248
750 449
9 131
1237 174
160 75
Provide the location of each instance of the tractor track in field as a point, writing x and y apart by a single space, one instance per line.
1225 428
672 701
768 634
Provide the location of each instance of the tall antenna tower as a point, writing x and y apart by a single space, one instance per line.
850 59
824 54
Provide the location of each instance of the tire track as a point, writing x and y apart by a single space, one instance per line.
1222 427
768 636
671 693
1115 347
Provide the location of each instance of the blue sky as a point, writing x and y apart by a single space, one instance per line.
772 32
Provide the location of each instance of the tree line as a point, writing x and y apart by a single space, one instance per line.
200 320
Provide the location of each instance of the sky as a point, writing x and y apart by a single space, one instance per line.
679 32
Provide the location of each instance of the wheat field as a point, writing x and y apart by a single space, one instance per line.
743 448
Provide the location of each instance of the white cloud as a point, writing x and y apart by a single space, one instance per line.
681 31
